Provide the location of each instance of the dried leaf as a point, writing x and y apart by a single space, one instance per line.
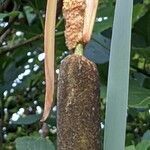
49 40
89 19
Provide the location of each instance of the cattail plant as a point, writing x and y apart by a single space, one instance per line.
78 109
78 116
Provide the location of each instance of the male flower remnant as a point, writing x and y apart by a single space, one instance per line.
74 11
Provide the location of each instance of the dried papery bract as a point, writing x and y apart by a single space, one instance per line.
89 19
49 40
73 11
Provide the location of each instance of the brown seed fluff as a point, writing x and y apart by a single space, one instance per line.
73 12
78 113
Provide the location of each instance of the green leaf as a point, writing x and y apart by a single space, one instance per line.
104 24
144 145
144 52
12 14
33 143
138 97
30 119
132 147
146 135
30 15
97 50
118 77
139 11
143 25
3 15
52 119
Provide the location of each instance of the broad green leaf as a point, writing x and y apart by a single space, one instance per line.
118 77
144 145
27 120
30 15
97 50
12 14
40 4
52 119
31 31
144 52
139 10
138 41
146 135
103 23
143 25
33 143
104 19
132 147
146 2
3 15
138 97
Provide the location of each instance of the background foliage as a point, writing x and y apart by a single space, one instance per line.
22 84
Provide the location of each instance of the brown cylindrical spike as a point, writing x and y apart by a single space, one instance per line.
78 108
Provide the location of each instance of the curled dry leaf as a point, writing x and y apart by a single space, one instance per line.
49 40
89 19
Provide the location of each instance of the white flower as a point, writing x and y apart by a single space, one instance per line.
30 60
53 130
21 111
57 71
38 110
41 56
14 84
5 136
15 117
35 102
29 54
19 33
11 90
27 72
36 67
5 110
5 93
102 125
4 129
54 108
40 131
26 66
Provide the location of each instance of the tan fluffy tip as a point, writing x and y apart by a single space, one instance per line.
73 11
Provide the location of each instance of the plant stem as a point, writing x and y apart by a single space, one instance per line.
79 49
1 134
35 38
59 22
1 122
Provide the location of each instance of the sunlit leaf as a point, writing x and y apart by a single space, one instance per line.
33 143
27 120
118 77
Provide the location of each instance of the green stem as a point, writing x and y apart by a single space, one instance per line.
39 14
59 22
57 34
79 49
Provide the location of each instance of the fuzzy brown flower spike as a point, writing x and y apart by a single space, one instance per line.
79 16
